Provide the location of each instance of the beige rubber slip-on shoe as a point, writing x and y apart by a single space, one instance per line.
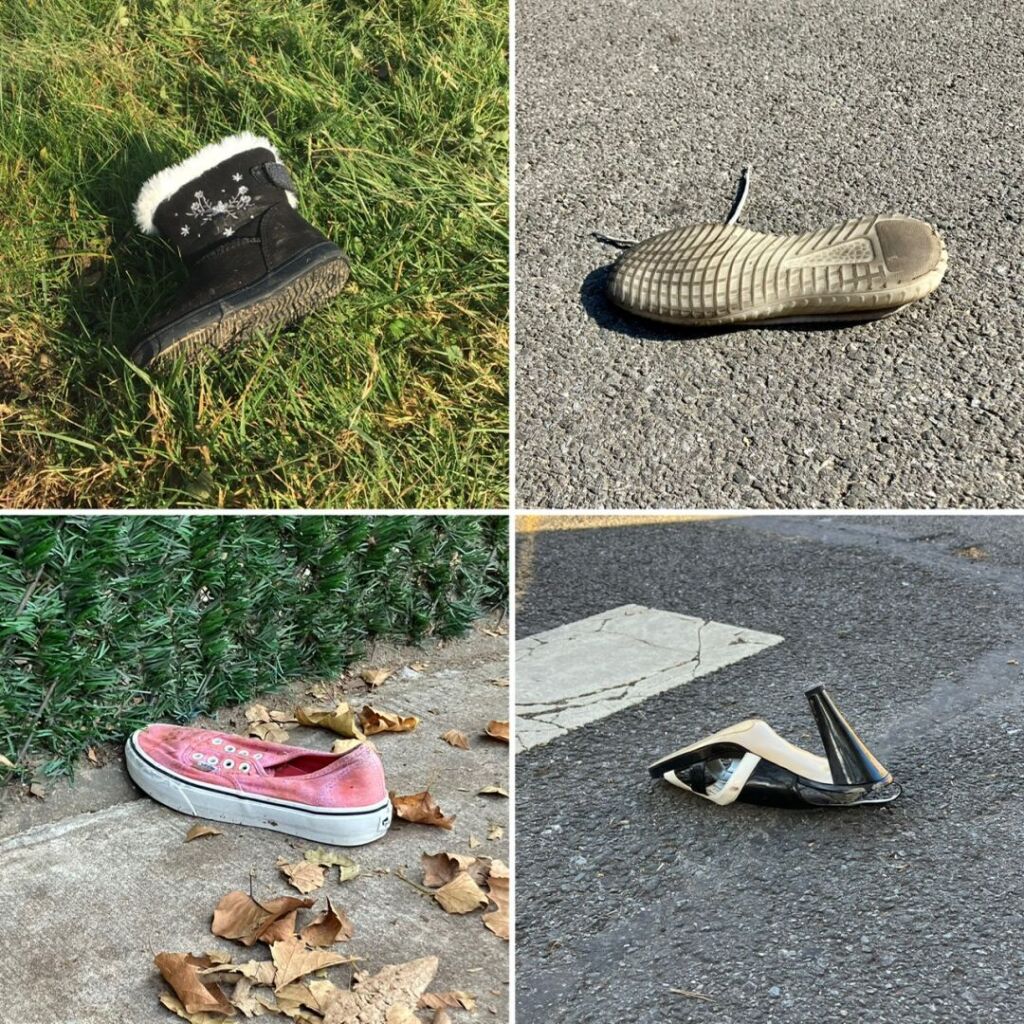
709 275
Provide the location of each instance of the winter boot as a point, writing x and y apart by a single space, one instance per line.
253 262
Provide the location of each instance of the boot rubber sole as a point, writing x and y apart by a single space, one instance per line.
711 275
353 826
305 283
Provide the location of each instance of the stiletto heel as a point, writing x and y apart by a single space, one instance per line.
749 761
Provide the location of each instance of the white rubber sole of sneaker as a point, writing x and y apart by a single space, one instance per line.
714 275
353 826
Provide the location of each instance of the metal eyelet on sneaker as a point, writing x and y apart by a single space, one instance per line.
217 741
243 753
213 760
257 757
243 767
197 756
229 749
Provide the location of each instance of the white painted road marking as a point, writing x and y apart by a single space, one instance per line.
579 673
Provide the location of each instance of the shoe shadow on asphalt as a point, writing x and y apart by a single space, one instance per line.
115 288
594 299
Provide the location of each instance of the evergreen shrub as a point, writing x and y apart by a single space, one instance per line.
109 622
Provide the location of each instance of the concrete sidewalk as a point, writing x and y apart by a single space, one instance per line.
96 879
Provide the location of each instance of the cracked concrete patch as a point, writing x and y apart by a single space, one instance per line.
581 672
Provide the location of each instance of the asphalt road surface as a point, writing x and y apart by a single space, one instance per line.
637 115
632 893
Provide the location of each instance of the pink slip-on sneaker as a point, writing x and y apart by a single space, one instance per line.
339 799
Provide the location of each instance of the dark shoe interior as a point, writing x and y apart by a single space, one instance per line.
304 764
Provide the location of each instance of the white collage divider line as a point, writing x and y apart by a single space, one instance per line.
579 673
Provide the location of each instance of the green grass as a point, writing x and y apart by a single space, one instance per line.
393 119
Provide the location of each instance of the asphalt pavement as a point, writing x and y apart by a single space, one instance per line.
634 116
637 901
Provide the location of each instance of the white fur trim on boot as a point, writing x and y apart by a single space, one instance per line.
165 183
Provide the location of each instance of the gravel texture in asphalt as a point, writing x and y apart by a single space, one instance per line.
639 902
637 115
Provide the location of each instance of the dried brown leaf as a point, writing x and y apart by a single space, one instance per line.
421 808
259 972
242 998
473 842
347 867
461 895
175 1005
198 830
973 552
497 892
440 868
384 997
497 730
492 791
197 995
267 1001
455 1000
92 756
294 959
401 1014
495 831
376 676
269 732
303 874
418 666
440 1017
374 721
322 992
238 916
37 791
455 738
257 713
331 926
292 1001
279 930
344 746
341 720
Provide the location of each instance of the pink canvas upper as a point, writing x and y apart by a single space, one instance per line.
351 780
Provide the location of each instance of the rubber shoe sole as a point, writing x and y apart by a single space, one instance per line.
353 826
296 288
713 275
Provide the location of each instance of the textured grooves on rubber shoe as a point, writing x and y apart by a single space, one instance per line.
307 292
711 274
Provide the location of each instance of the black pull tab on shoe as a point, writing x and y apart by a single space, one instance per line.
851 762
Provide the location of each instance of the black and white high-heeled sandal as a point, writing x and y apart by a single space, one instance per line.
749 761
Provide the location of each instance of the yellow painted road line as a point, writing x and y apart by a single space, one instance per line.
528 526
524 563
539 522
